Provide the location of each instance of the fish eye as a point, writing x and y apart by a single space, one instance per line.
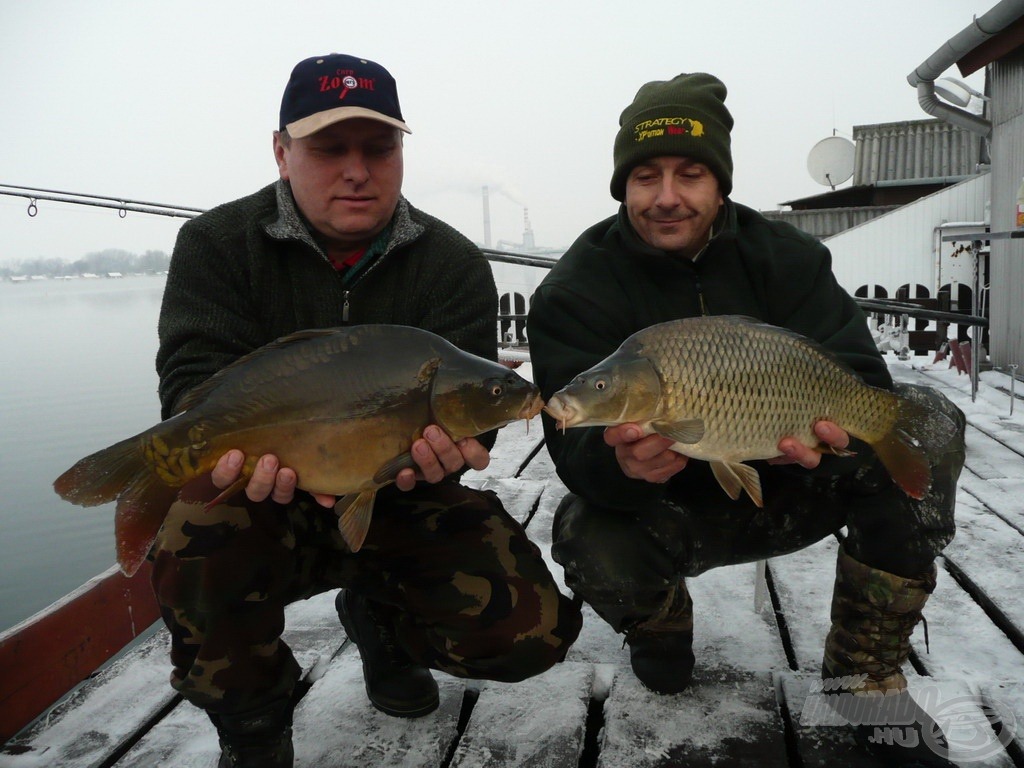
600 384
496 390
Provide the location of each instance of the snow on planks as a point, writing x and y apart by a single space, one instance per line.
103 716
186 737
537 723
719 720
336 727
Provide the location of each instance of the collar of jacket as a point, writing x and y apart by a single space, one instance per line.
723 228
290 224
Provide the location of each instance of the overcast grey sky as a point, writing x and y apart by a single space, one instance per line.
174 101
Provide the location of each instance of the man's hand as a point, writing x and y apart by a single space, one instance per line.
644 458
269 479
795 452
436 457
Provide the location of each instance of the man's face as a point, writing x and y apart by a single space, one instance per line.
346 179
672 203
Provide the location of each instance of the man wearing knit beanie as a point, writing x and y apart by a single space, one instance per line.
685 116
641 518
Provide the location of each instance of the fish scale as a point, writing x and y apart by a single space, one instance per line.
727 389
744 374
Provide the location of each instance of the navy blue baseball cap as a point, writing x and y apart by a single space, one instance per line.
324 90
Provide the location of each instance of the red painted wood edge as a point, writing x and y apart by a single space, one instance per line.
47 655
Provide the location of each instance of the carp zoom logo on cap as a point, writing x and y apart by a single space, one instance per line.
661 126
344 81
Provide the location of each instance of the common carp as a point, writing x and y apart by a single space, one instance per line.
340 406
727 388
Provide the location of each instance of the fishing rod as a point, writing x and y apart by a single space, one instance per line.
121 205
528 260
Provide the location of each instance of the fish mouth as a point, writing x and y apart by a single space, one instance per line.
533 406
561 411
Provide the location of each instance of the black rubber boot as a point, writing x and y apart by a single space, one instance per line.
394 684
261 738
661 647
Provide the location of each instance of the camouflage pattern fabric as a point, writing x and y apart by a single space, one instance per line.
625 564
466 590
873 616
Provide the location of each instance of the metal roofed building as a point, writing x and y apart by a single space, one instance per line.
918 184
894 164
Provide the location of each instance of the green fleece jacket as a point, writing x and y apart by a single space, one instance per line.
610 284
248 272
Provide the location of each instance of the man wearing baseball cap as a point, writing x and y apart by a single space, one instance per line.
640 518
333 242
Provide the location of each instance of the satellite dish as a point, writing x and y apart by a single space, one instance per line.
830 161
954 91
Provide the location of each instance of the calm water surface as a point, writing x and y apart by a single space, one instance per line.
77 375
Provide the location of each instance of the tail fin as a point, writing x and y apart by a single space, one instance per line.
904 450
102 477
120 472
906 462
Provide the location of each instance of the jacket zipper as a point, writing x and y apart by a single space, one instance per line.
696 277
359 279
701 303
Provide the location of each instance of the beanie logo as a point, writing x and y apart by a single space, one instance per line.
672 126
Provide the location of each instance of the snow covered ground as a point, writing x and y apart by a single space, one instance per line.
753 702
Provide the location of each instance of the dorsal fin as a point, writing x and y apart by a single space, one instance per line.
199 393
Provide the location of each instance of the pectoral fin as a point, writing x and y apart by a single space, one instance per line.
734 476
689 431
227 493
389 470
354 513
834 451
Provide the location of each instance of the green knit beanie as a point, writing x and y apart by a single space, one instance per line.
684 116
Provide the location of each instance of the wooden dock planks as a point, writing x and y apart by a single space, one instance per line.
755 677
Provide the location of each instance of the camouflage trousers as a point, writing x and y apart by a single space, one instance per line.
626 564
467 591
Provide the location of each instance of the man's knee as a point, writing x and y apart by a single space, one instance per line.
529 637
207 559
617 546
888 529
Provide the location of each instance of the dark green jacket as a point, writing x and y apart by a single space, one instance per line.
248 272
610 284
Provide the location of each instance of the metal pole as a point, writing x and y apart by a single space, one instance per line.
975 329
1013 381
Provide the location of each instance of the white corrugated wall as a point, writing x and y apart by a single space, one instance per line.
902 247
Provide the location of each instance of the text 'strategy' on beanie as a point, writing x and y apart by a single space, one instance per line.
684 116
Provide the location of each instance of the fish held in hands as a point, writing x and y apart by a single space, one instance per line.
340 406
728 388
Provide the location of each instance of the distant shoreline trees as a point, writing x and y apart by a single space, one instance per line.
98 263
